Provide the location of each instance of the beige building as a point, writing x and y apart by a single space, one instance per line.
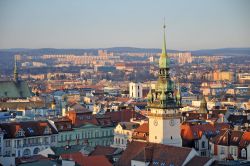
123 133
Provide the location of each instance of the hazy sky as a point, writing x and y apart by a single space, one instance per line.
191 24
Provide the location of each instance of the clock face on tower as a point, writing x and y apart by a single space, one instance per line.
171 122
155 122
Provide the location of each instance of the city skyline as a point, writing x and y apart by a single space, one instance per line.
191 25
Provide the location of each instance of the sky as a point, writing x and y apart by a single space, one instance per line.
191 24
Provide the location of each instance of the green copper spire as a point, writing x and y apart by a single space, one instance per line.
15 71
164 48
164 61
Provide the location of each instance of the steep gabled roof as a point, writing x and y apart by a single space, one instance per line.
12 89
228 137
30 128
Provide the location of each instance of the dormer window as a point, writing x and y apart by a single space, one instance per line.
20 133
30 130
243 153
47 130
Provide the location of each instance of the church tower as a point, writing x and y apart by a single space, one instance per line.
164 103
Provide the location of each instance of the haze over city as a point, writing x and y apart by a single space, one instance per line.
124 83
190 24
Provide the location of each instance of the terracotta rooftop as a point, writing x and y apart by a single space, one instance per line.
30 128
228 137
103 150
245 139
144 128
191 132
82 160
198 161
124 116
152 152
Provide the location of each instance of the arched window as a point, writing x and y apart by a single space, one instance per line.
36 151
243 153
26 152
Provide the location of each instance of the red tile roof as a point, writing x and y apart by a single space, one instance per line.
228 137
144 128
103 150
142 151
198 161
124 116
30 128
245 139
82 160
191 132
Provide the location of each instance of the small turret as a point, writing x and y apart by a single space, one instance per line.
203 106
178 95
150 96
163 97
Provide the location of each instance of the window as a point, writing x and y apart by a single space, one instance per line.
196 145
53 139
243 153
7 143
36 151
235 152
20 133
96 134
111 132
30 130
26 152
222 150
203 144
47 130
203 153
231 150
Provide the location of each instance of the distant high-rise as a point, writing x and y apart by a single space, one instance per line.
135 90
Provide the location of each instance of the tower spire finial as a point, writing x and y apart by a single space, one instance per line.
164 61
164 48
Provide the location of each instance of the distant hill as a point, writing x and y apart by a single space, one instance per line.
223 51
220 51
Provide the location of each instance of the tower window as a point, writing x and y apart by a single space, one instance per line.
155 137
171 137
